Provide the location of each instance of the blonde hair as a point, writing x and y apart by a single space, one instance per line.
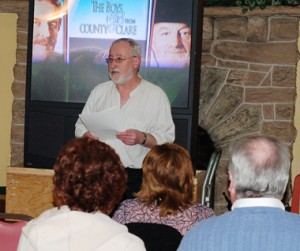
167 179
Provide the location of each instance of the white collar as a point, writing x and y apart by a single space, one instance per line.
258 202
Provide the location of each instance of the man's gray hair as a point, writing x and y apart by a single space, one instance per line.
260 167
136 48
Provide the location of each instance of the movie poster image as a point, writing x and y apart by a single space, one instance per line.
168 63
71 40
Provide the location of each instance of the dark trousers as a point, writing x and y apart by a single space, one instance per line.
134 182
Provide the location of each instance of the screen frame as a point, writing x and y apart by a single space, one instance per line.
71 109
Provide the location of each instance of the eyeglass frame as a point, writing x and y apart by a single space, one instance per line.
118 60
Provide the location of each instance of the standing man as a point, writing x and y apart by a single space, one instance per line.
258 170
144 107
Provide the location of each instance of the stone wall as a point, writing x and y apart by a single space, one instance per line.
18 86
248 81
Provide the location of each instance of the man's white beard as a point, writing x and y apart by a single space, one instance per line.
123 79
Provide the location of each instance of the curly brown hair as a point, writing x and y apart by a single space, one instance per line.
88 176
168 179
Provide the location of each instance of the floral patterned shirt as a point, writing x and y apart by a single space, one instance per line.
133 210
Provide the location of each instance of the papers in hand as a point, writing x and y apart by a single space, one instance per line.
104 124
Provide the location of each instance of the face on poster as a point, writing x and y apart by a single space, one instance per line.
47 24
75 35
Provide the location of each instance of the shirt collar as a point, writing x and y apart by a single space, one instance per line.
135 90
258 202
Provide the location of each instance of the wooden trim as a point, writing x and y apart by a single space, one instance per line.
28 190
29 171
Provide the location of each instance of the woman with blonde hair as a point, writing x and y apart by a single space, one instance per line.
166 195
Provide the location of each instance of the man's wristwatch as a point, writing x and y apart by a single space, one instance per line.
145 138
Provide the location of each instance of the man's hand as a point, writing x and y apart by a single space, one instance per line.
131 137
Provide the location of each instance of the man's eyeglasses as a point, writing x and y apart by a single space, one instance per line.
118 60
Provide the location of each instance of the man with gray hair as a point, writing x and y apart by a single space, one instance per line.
259 169
144 107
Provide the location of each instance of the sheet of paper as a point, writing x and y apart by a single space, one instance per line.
104 124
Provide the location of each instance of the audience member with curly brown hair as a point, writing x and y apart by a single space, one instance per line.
166 195
89 181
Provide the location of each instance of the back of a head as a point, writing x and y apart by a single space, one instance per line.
167 178
88 176
260 167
